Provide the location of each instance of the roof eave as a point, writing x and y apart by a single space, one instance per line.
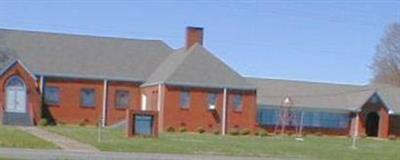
344 110
186 84
72 76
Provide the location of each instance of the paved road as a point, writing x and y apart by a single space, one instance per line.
36 154
63 142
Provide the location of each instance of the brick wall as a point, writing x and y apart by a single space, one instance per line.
151 93
245 118
115 114
198 113
394 127
69 110
383 130
33 93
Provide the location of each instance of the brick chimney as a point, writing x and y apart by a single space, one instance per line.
194 35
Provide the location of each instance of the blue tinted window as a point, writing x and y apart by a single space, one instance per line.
238 102
15 81
325 120
88 97
52 95
122 99
212 98
185 99
269 116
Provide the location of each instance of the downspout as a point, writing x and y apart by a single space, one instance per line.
104 112
224 110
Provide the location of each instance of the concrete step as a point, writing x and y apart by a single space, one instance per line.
20 119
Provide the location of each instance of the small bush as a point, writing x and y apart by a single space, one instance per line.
392 137
306 133
262 133
200 130
256 133
216 131
61 123
182 129
319 134
290 133
245 131
170 129
363 135
84 122
234 132
44 122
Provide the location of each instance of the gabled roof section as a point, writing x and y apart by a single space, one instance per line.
9 63
82 56
390 95
197 67
271 92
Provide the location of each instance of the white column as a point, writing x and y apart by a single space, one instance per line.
41 84
104 113
355 130
301 123
159 98
224 110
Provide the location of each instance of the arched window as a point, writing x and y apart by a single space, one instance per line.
15 82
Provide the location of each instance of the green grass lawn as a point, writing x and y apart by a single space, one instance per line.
311 148
12 137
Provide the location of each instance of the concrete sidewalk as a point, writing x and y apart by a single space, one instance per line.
38 154
63 142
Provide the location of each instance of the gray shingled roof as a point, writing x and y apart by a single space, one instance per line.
390 95
271 92
84 56
197 67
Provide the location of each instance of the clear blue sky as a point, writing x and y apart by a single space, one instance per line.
309 40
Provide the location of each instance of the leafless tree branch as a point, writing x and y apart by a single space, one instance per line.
386 63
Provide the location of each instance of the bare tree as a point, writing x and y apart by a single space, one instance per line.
386 63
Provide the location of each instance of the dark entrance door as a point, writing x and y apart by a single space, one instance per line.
372 124
143 125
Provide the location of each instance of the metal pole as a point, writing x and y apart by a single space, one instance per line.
355 132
